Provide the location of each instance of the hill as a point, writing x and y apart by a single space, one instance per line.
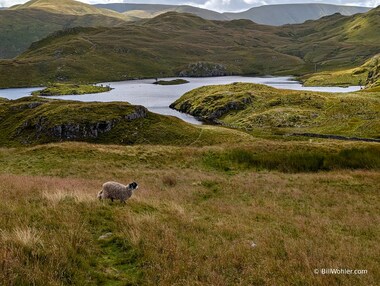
153 10
335 42
259 108
20 28
203 13
68 7
278 15
168 45
173 44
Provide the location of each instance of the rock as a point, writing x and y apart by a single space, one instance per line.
234 105
204 69
140 112
205 114
42 126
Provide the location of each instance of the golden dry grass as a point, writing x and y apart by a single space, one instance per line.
186 225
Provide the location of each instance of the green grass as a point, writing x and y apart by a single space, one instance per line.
294 161
259 110
70 89
171 82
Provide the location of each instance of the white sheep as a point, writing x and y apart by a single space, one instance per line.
117 191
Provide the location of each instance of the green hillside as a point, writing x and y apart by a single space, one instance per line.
168 45
175 44
262 109
34 120
336 42
20 28
373 80
344 77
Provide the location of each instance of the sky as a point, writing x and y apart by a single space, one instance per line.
221 5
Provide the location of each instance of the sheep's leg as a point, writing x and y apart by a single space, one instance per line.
111 199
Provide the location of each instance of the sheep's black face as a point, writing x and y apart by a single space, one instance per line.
133 186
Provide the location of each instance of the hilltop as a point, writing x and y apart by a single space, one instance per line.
67 7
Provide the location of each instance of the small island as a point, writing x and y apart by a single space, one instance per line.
171 82
70 89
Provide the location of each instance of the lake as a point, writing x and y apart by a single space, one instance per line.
157 98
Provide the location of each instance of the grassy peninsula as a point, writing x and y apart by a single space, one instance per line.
70 89
260 109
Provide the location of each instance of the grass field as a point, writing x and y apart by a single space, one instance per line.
216 206
190 222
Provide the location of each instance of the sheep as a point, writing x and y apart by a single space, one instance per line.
117 191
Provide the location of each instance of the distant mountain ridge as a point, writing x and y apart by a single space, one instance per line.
153 10
274 15
125 7
277 15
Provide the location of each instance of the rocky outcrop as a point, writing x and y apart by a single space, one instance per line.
206 114
204 69
43 126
